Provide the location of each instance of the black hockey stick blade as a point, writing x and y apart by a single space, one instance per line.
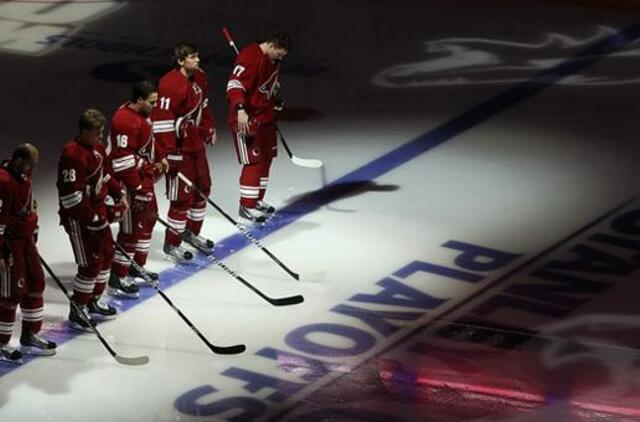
286 301
228 350
135 361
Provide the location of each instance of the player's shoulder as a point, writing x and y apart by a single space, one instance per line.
172 80
125 116
251 51
73 151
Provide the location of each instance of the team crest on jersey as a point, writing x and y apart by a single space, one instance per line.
31 27
21 283
256 151
269 87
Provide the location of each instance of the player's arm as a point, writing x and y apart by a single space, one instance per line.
72 176
164 116
123 161
241 82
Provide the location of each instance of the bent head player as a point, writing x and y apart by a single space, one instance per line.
253 102
21 277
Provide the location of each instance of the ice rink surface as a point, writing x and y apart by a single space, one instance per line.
470 250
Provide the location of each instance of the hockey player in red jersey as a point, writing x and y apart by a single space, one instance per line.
131 148
84 181
253 103
21 276
182 124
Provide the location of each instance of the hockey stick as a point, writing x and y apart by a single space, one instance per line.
302 162
135 361
240 227
220 350
284 301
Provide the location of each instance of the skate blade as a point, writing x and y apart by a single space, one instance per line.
11 361
179 261
141 282
100 317
36 351
79 327
122 295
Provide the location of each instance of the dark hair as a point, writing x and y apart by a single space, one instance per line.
91 119
182 50
142 90
280 40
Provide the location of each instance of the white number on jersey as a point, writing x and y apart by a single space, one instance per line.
122 140
164 103
237 71
69 175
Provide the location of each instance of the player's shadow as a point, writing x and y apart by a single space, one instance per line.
335 192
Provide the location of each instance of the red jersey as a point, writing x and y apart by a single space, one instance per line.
84 181
254 83
18 217
182 115
131 149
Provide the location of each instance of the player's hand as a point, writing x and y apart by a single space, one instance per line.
3 265
208 135
161 167
243 122
279 105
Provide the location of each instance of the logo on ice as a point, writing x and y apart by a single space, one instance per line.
481 61
24 24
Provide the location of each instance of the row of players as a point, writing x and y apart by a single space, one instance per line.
160 132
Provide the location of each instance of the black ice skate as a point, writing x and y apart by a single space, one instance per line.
265 208
10 355
251 215
80 322
139 279
176 254
199 242
35 345
123 288
101 312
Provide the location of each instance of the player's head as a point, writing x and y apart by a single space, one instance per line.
144 96
185 56
91 127
24 158
278 44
